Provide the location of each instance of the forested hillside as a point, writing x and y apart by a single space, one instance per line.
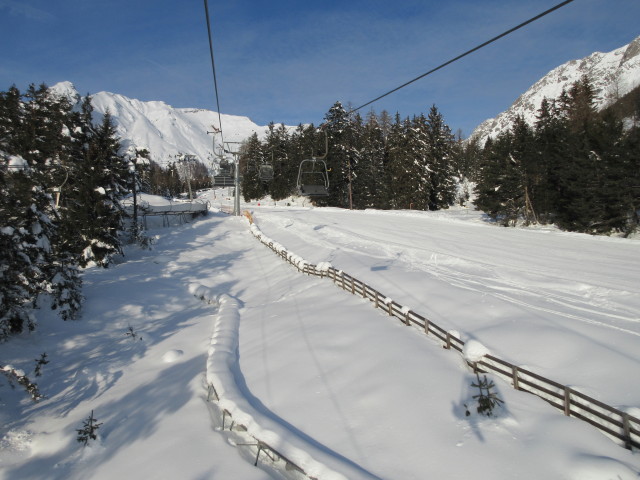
576 167
378 162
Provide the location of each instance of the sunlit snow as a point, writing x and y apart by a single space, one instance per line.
341 388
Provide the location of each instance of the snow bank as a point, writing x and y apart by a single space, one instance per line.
473 351
323 266
223 372
205 294
294 259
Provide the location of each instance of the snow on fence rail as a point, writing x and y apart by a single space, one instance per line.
622 427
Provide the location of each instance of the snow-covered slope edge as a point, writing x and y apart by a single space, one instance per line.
223 374
613 74
164 130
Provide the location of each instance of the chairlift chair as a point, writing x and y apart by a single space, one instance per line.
313 175
313 178
225 176
265 172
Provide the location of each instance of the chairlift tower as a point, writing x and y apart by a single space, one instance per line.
236 179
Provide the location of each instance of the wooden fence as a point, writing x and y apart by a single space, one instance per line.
623 428
276 458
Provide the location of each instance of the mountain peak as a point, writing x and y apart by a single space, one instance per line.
65 89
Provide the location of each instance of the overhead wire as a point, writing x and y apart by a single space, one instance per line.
213 67
504 34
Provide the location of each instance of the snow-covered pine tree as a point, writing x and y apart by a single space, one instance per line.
96 186
250 160
276 150
552 147
341 156
494 189
34 137
370 185
440 155
400 175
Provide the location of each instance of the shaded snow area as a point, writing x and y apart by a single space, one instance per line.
341 389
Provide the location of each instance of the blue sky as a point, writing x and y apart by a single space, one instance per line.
289 61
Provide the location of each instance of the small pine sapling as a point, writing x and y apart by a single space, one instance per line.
88 430
487 399
40 362
131 333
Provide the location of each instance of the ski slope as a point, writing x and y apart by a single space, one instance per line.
519 292
342 388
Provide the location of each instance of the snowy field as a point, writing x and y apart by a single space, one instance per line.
342 388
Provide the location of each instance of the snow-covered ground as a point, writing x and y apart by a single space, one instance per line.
337 386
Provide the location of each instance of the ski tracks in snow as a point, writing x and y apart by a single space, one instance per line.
536 288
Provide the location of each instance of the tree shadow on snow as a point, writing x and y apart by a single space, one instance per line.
129 419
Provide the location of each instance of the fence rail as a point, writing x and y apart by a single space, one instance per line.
622 427
259 446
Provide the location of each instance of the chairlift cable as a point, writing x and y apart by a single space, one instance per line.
213 67
504 34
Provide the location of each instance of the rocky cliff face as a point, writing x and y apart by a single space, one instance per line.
612 74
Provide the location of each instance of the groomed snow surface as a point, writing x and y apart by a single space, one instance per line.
340 388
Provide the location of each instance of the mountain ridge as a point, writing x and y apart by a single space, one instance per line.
165 131
613 75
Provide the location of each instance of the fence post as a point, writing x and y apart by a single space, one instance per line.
376 299
567 401
343 287
426 326
211 390
390 306
626 427
516 384
406 318
448 345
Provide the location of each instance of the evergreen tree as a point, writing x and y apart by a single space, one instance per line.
99 183
401 179
277 148
34 128
551 140
440 159
250 160
342 156
370 185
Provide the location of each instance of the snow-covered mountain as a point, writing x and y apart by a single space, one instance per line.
613 75
164 130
